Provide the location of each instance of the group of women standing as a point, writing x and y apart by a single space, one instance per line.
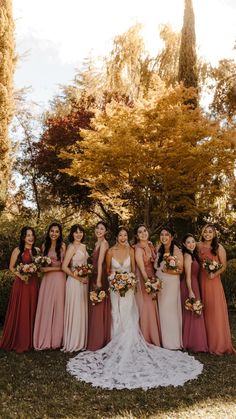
62 316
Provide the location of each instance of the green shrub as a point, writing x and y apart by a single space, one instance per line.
6 280
231 251
229 282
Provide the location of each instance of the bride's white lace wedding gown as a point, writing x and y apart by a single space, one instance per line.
128 361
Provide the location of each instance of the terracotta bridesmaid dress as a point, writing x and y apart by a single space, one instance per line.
99 323
194 331
215 309
19 322
148 311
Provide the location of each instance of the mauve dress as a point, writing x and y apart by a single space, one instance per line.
49 321
99 323
148 311
19 322
215 309
194 331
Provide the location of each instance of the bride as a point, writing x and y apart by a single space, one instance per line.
128 361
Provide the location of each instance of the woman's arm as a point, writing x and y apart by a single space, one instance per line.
68 256
132 257
13 261
108 260
188 274
222 259
140 263
102 253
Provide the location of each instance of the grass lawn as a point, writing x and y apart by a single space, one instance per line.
36 385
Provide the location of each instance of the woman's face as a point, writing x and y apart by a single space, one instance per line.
190 244
100 231
142 233
208 233
78 235
29 238
122 237
54 233
166 238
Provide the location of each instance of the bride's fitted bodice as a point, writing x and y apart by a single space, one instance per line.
79 258
125 266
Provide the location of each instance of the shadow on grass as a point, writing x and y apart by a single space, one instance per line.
36 385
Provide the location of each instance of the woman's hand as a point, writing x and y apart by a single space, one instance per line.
191 294
99 283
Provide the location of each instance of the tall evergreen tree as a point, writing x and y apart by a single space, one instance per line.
7 64
188 73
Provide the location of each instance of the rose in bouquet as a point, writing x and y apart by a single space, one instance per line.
97 296
42 261
211 266
26 270
153 286
82 270
194 305
122 282
170 261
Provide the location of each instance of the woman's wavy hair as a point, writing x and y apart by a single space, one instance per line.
194 254
73 229
161 250
23 234
214 243
136 232
48 243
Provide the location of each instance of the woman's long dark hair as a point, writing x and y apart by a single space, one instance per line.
214 243
161 250
103 223
73 229
194 254
22 242
136 232
48 242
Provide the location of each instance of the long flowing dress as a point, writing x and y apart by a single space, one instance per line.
194 331
76 309
19 322
170 311
49 320
128 361
148 310
99 317
215 309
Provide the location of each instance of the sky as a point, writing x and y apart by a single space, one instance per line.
53 37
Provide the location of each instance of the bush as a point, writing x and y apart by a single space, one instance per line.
229 282
231 251
6 280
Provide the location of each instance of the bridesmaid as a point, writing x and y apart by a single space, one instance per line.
169 300
19 322
148 311
194 331
49 321
76 302
216 313
99 329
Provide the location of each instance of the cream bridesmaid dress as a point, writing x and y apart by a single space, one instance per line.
169 304
76 309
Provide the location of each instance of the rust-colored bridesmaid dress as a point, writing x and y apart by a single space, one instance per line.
99 324
215 309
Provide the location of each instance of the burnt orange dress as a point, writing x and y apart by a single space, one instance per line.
215 309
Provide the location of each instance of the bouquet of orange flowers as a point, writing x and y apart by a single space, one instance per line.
153 286
83 270
211 266
194 305
122 282
97 296
171 262
26 270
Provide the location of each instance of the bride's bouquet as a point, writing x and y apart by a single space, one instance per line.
170 261
82 270
42 261
122 282
153 286
211 266
194 305
26 270
97 296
